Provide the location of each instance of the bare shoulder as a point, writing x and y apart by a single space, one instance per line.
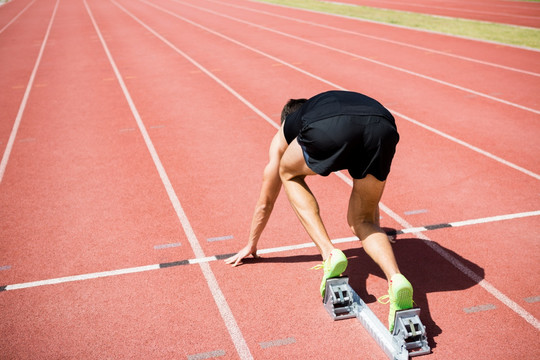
278 145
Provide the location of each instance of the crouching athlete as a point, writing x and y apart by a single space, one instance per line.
333 131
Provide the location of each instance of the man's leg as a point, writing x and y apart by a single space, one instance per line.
363 218
293 170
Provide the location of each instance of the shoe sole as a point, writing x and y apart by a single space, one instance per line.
404 299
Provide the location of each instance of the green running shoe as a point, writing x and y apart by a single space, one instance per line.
400 297
333 266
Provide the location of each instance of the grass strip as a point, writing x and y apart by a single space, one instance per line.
499 33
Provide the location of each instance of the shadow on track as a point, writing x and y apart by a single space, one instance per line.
420 264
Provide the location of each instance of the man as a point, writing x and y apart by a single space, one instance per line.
333 131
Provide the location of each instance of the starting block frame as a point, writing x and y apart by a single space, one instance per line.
409 336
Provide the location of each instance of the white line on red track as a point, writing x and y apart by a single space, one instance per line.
285 248
22 107
417 231
380 63
17 16
378 38
271 122
223 307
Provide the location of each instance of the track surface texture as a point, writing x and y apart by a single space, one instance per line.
133 136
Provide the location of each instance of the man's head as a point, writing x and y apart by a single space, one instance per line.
291 106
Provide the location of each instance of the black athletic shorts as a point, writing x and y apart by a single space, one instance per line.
344 130
362 144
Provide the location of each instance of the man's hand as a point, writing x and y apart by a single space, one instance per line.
245 252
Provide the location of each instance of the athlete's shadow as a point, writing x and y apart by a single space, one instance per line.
421 264
426 270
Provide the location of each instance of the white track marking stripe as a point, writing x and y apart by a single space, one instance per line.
17 16
219 298
495 218
82 277
22 107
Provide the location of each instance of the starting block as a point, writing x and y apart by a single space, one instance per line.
409 336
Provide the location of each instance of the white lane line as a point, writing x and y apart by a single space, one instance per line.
22 107
275 125
273 250
219 298
17 16
82 277
378 38
380 63
488 287
207 355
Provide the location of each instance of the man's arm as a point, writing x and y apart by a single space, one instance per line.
271 185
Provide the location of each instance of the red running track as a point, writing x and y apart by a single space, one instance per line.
136 134
521 13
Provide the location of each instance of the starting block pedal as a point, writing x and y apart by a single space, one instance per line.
338 299
409 332
409 336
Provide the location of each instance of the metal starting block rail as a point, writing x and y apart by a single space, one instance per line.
409 336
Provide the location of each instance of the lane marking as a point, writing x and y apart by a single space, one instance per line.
220 238
207 355
275 125
207 259
167 246
27 140
368 59
82 277
415 212
22 107
378 38
532 299
17 16
5 267
479 308
274 343
219 298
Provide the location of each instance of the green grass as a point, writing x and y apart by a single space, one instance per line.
500 33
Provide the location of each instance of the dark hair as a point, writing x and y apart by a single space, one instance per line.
291 106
